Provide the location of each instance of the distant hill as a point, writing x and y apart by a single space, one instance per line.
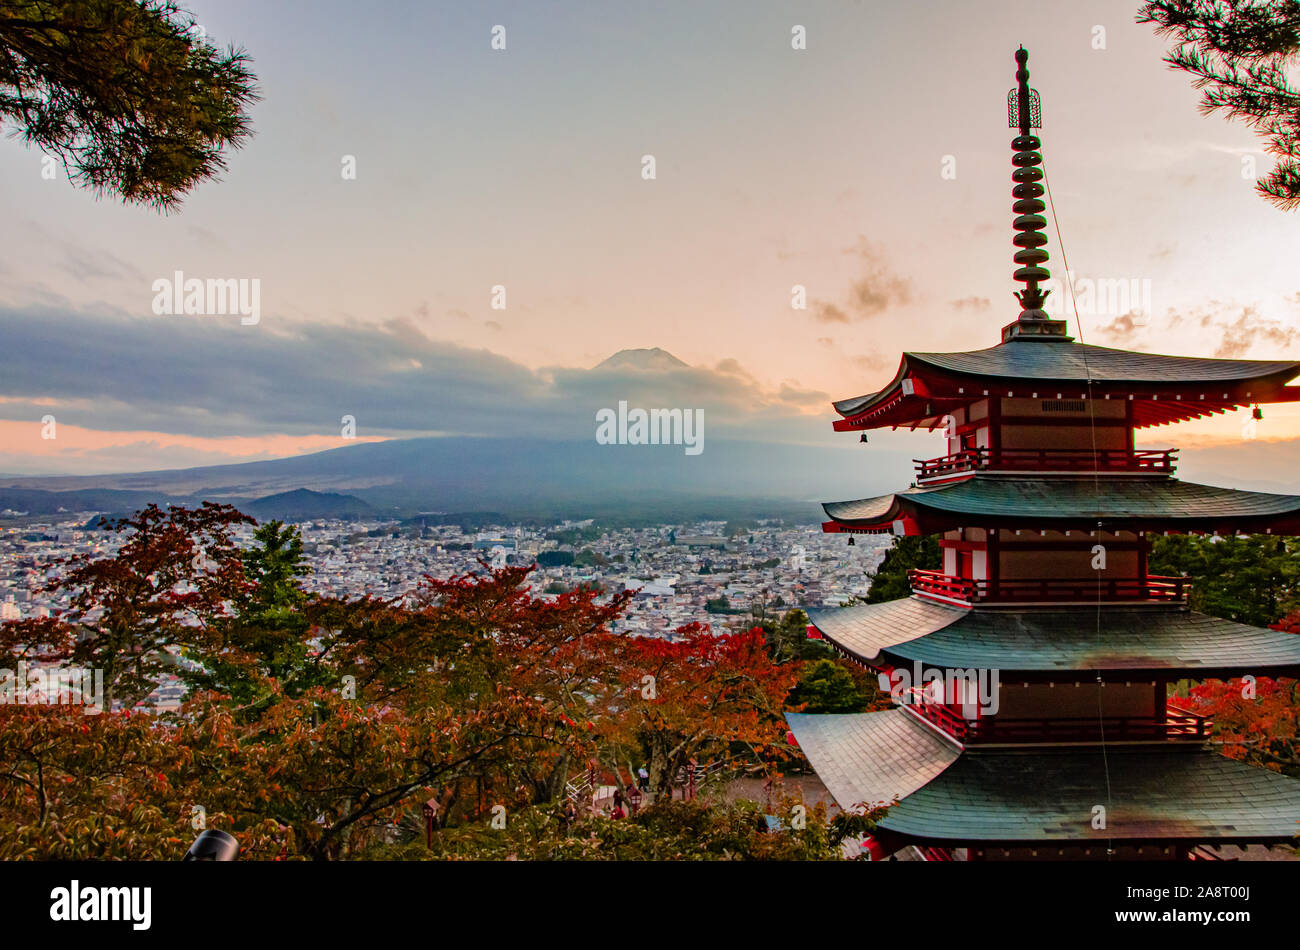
303 504
521 479
40 501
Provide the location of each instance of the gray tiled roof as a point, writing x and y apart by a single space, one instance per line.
1049 796
1074 498
1077 363
871 758
867 629
1155 638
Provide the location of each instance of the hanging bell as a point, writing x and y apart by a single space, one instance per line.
1257 413
852 541
864 437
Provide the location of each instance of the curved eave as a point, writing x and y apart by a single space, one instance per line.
1163 389
871 758
1073 364
1069 502
857 405
943 795
865 631
1043 643
1149 794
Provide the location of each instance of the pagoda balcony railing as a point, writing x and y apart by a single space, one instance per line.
1049 589
1176 724
1161 461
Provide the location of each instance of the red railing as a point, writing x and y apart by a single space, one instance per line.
1048 589
1177 724
1112 728
945 717
937 854
1049 460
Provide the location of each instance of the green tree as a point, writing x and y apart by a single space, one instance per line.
128 94
827 687
276 565
1241 54
266 637
787 637
890 582
1253 579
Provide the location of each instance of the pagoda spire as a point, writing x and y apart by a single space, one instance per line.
1025 111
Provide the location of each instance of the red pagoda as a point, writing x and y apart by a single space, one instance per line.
1031 673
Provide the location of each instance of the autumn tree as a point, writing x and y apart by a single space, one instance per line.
120 786
475 693
128 94
174 575
316 727
667 830
699 696
469 689
1241 54
1257 720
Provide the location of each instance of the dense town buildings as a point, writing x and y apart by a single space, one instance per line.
678 569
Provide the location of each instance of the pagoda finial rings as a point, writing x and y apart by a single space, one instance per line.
1031 274
1033 255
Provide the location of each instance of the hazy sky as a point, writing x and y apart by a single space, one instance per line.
522 167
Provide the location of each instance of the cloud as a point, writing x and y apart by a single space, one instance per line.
874 291
872 362
85 264
211 377
971 303
1122 329
1238 327
1247 330
828 312
802 397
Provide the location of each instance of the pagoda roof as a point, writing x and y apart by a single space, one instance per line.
1149 794
1135 640
871 758
1199 385
1118 501
1040 796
